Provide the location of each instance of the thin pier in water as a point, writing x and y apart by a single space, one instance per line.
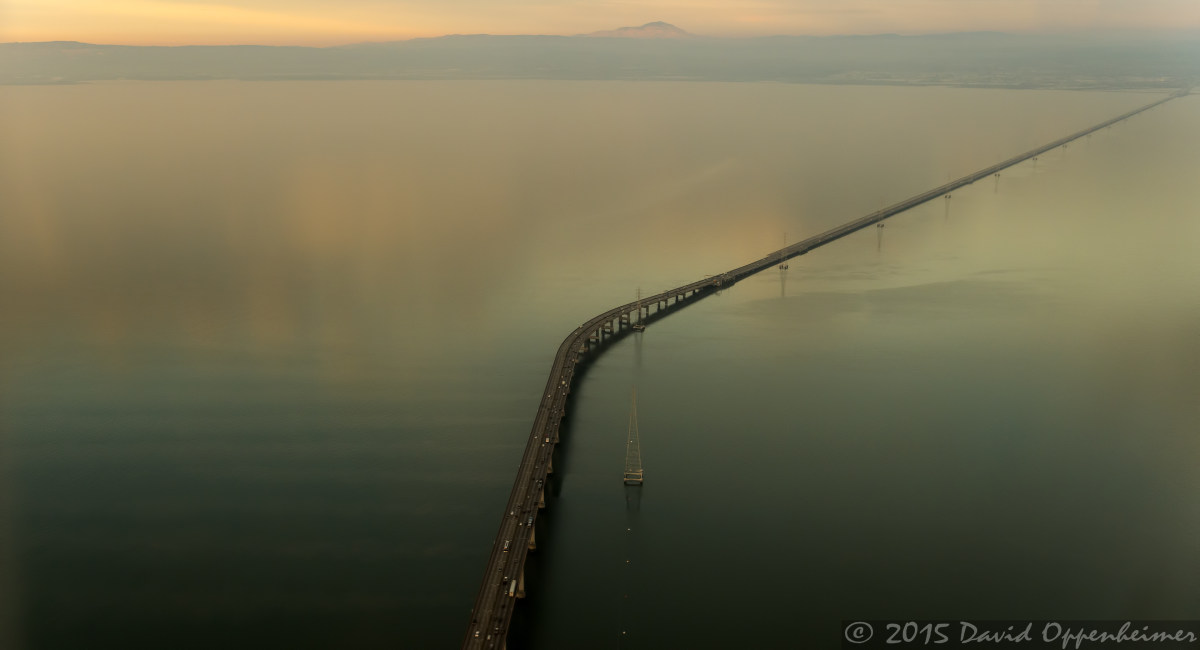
633 448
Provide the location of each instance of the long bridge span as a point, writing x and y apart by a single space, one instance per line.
503 580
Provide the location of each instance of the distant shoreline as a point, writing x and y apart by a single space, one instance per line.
969 60
348 79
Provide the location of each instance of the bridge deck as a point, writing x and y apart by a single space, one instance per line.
493 609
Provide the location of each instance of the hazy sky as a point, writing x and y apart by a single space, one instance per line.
329 22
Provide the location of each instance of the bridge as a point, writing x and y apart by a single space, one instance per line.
504 578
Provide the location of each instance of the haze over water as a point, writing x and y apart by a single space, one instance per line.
270 352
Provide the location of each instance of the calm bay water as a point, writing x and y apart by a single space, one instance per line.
270 352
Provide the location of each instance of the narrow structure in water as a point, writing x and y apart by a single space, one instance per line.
633 448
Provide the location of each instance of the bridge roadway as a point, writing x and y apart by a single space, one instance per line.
503 580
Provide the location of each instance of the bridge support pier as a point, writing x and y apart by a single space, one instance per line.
521 584
542 498
550 465
532 544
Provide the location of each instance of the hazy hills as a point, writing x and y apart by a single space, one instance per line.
655 51
657 29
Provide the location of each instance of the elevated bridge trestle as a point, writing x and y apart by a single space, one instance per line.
504 578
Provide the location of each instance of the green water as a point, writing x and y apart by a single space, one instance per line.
269 353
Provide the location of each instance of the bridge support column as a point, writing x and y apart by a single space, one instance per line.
542 498
532 539
550 464
521 584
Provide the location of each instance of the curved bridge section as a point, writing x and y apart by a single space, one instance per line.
504 578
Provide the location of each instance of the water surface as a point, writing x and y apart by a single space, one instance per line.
270 352
982 412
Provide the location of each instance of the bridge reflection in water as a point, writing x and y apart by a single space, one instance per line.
503 581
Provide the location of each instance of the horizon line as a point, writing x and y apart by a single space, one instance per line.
602 34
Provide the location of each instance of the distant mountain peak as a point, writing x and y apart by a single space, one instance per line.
656 29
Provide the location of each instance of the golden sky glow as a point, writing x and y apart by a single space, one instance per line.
329 22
